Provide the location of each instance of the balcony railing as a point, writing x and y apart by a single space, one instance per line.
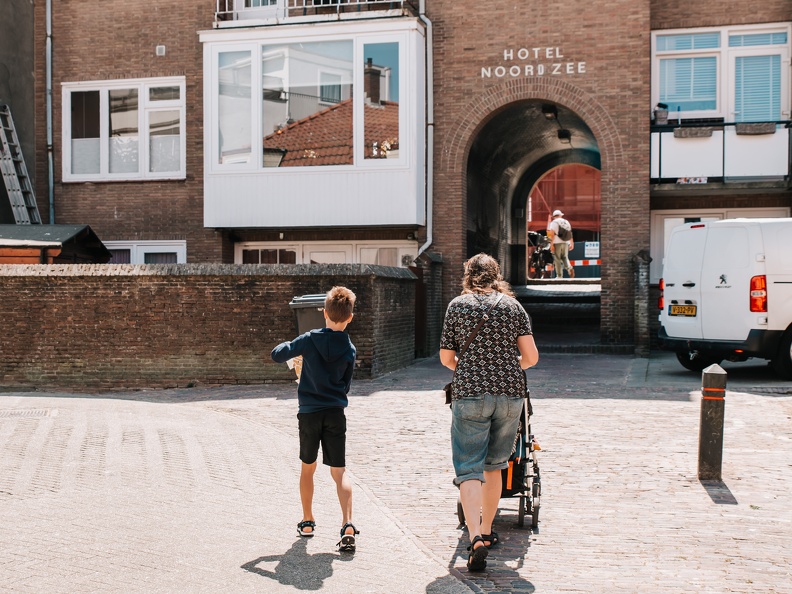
720 152
227 12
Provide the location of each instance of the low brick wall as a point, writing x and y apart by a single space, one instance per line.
96 327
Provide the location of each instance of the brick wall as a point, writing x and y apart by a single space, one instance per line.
678 14
90 327
117 39
611 97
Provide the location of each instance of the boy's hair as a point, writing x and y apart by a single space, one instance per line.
339 304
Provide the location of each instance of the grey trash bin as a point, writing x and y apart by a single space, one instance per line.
308 311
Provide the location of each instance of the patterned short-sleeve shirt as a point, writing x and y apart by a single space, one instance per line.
490 364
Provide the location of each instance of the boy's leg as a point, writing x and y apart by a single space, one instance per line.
344 490
307 492
310 425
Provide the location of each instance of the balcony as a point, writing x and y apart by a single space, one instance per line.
726 153
247 13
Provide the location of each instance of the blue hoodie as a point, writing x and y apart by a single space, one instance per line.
328 363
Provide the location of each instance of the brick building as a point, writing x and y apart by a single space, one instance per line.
298 131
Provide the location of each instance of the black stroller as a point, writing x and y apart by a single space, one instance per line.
521 479
540 262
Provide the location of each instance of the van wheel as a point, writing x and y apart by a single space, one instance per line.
782 364
695 361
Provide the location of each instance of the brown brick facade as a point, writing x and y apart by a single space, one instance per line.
611 97
117 40
89 327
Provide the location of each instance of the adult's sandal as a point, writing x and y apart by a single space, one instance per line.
478 556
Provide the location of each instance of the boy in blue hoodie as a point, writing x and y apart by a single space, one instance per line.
328 360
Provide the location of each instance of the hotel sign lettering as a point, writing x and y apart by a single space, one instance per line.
535 61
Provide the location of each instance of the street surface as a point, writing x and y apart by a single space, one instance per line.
195 490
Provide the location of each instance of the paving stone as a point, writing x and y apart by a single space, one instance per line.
196 490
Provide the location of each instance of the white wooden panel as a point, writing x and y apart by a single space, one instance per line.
763 155
691 157
313 199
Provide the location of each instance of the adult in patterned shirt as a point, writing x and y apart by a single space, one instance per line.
487 392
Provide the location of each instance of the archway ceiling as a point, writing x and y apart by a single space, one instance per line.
520 135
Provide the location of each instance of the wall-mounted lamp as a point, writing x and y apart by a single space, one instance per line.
411 236
564 134
549 111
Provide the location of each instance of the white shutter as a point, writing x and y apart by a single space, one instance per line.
757 88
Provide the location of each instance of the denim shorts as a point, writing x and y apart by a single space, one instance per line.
483 432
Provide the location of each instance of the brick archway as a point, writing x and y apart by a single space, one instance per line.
617 302
485 106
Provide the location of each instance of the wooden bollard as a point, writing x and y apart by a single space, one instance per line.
713 403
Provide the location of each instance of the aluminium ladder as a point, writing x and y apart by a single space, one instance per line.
15 174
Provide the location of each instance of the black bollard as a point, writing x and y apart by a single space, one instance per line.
713 403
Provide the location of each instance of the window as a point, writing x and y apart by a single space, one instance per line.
381 100
383 253
310 121
124 130
306 103
147 252
281 255
329 88
731 73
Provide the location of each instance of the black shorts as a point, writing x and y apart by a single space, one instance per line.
327 427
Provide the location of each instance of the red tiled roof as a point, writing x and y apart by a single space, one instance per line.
325 137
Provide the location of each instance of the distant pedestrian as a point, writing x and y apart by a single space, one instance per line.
487 392
560 233
328 360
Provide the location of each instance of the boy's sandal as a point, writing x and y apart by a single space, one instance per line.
306 524
478 556
492 539
347 543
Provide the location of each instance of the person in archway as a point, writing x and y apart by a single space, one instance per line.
561 242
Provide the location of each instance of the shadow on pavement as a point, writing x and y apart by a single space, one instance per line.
296 567
503 563
719 492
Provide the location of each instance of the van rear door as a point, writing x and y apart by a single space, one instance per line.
681 317
778 261
730 260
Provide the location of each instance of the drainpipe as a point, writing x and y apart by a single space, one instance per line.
50 158
429 125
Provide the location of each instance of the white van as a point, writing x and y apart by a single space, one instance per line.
726 293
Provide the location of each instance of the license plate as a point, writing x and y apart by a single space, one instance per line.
682 310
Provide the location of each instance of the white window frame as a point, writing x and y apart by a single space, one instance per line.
279 37
240 247
659 234
145 108
407 249
139 249
725 65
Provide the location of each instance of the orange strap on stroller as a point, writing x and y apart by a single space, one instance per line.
509 475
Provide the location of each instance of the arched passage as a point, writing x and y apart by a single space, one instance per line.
517 147
619 187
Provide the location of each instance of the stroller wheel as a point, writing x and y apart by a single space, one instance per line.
535 516
521 511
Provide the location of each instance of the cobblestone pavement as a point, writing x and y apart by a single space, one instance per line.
195 490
